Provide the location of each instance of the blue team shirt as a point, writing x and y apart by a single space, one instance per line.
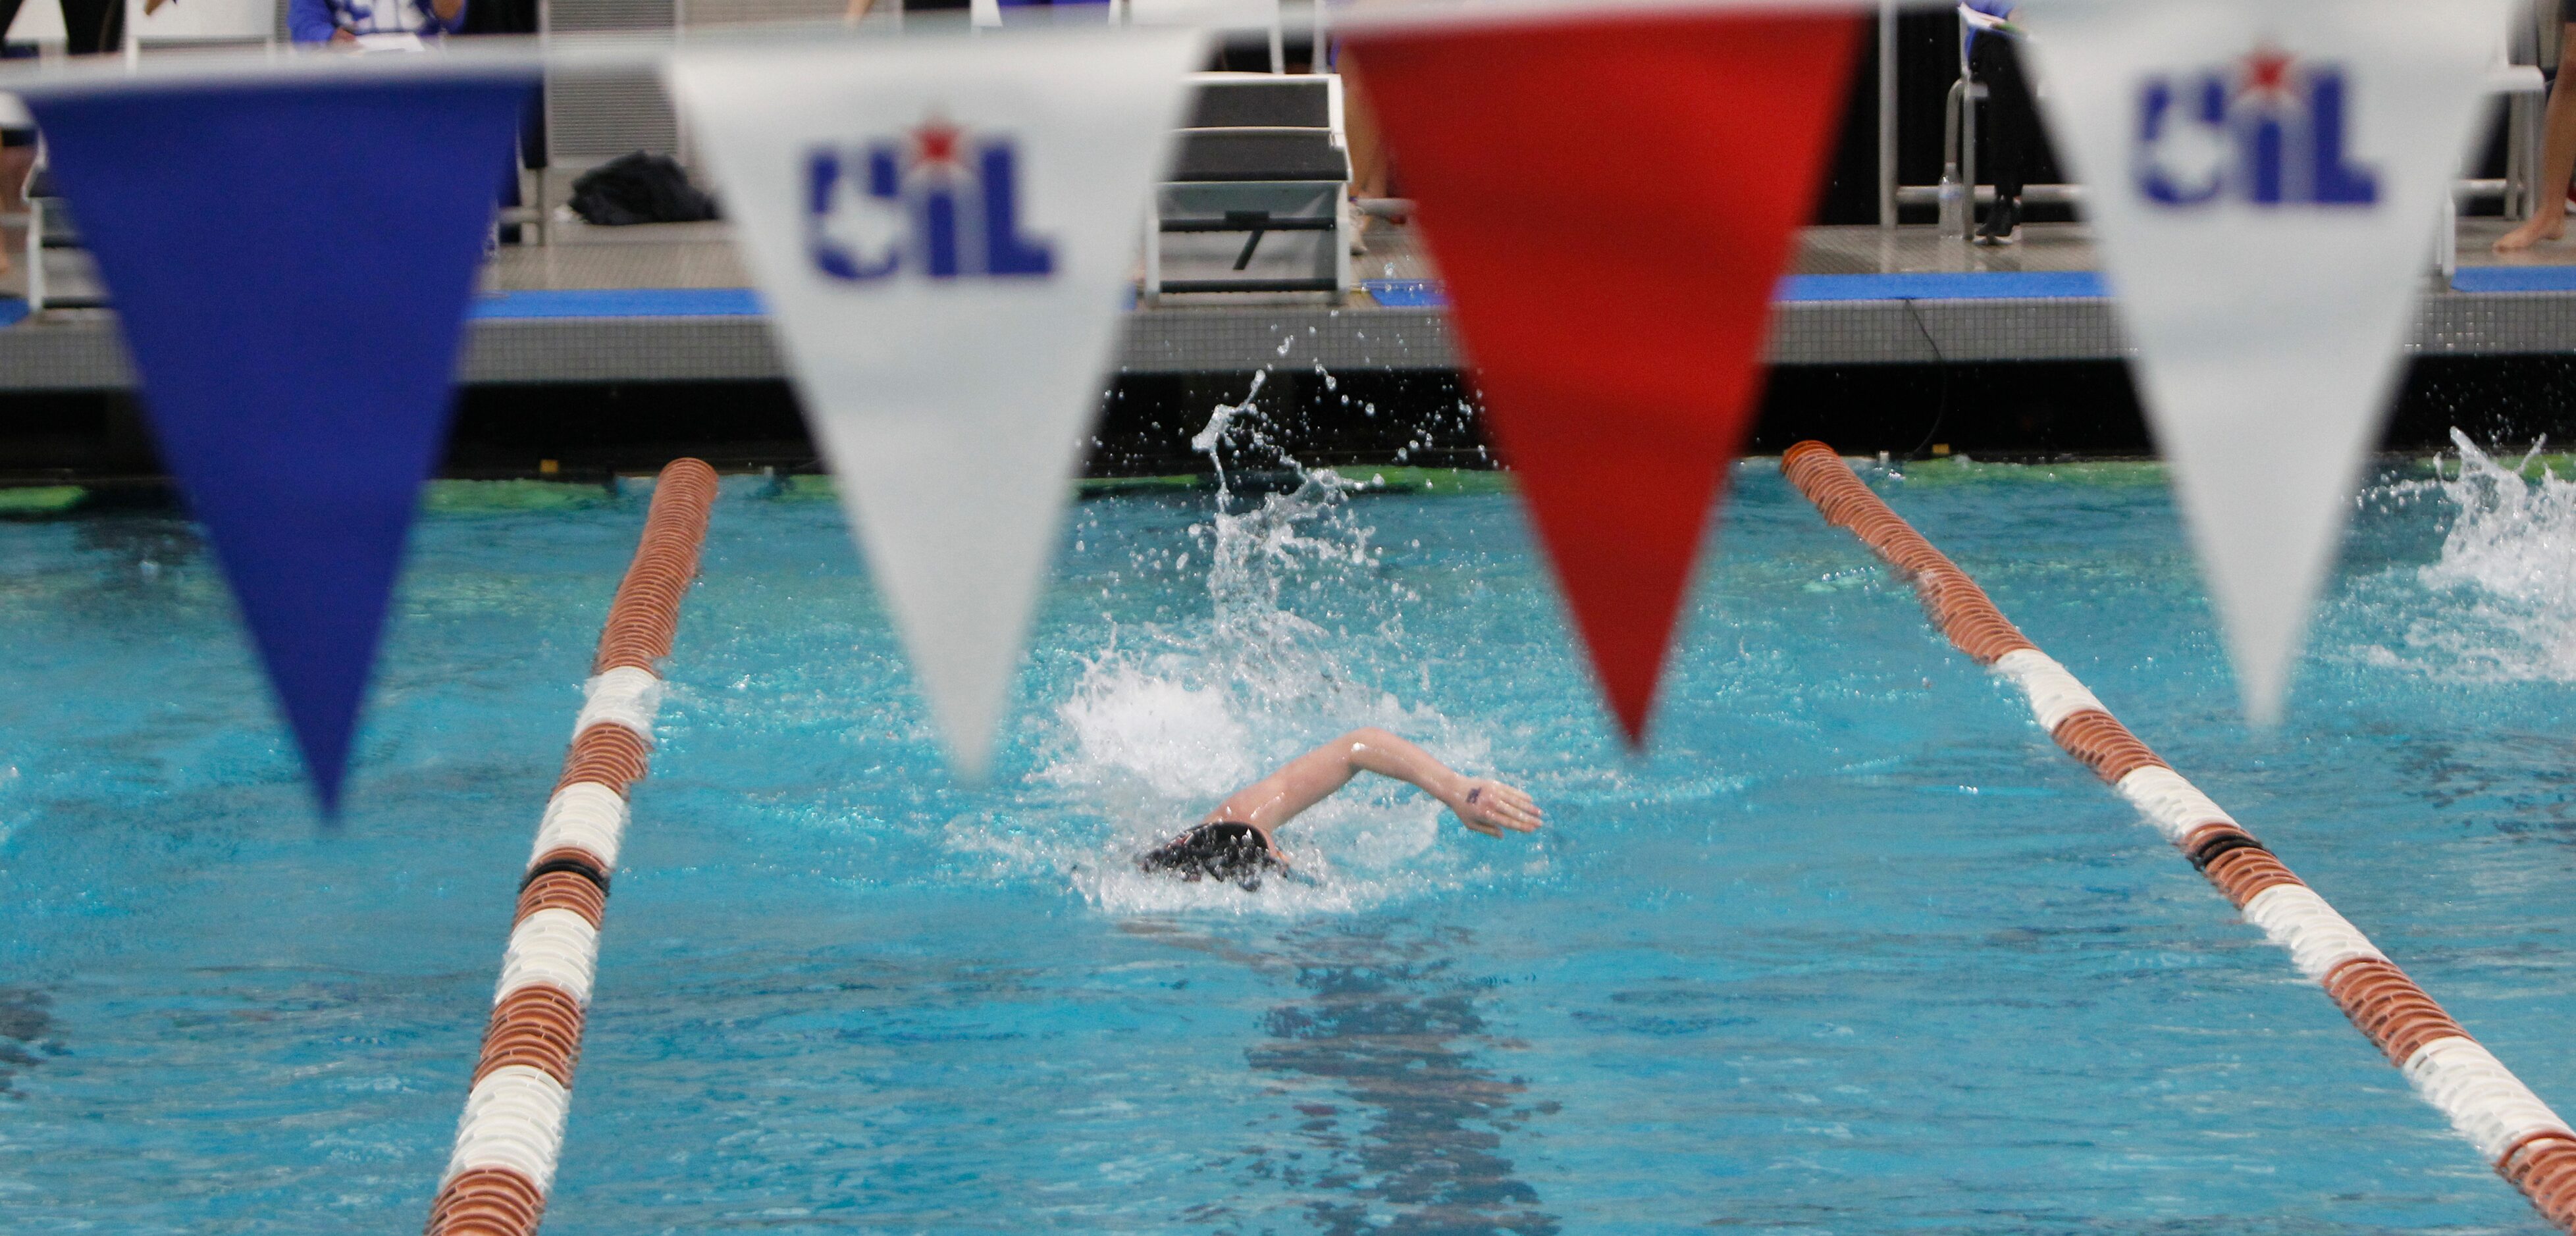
1991 8
313 21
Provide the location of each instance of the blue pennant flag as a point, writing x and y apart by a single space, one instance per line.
292 263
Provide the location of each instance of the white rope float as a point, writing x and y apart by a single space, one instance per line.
507 1142
2527 1143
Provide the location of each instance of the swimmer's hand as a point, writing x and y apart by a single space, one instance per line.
1489 806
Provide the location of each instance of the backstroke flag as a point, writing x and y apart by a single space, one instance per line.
2265 177
945 231
1611 200
291 261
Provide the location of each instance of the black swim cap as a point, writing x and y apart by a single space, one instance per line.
1218 851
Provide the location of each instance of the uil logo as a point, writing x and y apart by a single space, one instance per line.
932 203
2267 131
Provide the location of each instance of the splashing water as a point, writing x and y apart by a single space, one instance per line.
1169 718
2507 569
2513 537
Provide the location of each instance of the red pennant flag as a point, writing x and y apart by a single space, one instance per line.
1611 201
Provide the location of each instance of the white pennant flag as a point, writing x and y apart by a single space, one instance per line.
2264 178
945 231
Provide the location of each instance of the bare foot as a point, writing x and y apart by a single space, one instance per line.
2533 231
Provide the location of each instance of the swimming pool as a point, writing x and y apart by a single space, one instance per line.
1855 949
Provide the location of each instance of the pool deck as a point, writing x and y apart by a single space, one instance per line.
672 303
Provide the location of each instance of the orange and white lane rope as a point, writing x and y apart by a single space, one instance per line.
2525 1141
504 1162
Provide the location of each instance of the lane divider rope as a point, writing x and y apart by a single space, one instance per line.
503 1166
2526 1142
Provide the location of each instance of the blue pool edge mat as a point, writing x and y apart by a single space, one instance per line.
1961 285
620 303
2514 279
1406 293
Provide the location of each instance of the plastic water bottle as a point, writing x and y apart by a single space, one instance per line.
1953 198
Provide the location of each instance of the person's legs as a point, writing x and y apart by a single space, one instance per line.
1368 154
2548 219
2011 124
1359 122
17 146
93 27
17 155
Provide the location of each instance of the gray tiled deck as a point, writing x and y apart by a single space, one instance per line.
664 255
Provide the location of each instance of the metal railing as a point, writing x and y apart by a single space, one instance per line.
1955 197
2516 77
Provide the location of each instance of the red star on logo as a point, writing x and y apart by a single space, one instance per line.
935 144
2267 72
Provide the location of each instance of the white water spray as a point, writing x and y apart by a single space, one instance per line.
1299 629
2505 584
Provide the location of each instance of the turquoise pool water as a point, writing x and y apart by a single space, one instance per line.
1855 949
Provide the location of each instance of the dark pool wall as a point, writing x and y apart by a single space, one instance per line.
1423 418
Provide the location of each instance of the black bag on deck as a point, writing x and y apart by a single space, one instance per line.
639 188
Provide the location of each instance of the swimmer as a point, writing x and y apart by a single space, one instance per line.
1239 842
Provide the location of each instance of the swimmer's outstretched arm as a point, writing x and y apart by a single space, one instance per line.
1484 805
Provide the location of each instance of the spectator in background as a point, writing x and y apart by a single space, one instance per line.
2012 118
90 28
342 21
2548 219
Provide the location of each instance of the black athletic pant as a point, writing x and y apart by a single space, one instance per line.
94 26
2012 119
